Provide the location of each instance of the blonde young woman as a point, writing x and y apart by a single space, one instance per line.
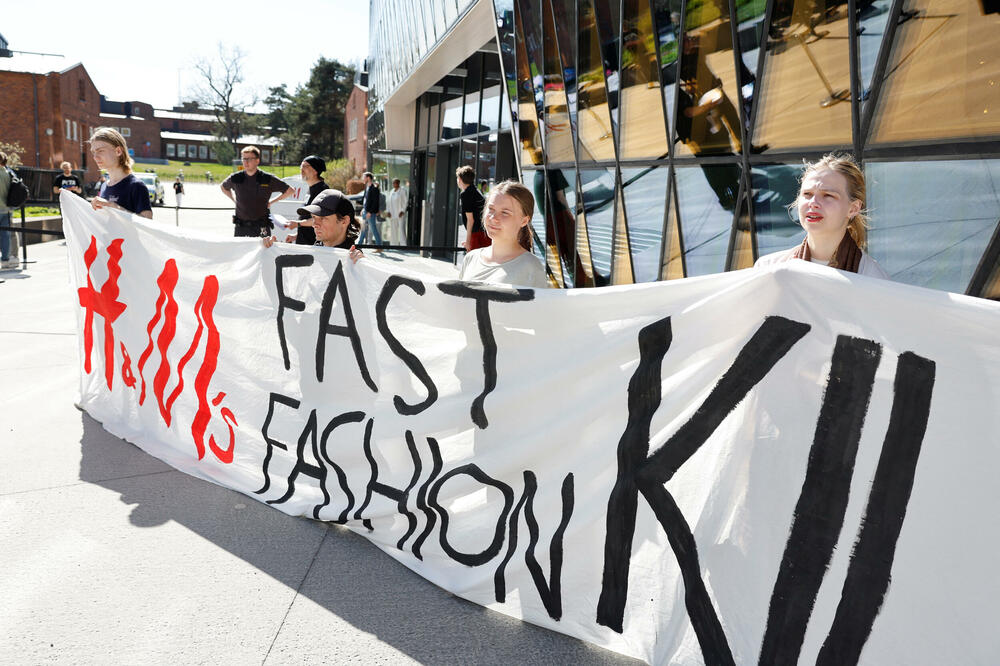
831 208
508 259
122 190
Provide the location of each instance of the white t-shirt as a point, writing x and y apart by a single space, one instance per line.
524 270
868 266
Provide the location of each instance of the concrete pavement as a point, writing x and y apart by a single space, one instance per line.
109 556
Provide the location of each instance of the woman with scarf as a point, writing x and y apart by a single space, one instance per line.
831 208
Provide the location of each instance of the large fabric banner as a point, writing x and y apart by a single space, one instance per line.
776 466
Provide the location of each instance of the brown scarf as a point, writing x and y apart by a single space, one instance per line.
846 258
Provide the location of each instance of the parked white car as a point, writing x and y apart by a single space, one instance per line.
153 184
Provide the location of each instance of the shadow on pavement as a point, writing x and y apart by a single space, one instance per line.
343 573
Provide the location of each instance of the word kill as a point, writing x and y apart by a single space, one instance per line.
105 304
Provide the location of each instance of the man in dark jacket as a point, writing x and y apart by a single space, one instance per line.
369 207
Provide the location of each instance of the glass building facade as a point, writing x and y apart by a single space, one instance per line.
665 138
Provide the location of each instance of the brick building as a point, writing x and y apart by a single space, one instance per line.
136 122
49 113
356 128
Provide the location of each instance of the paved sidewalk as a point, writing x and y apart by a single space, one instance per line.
109 556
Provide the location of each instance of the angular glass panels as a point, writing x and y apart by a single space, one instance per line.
773 189
931 221
558 129
708 122
706 197
941 81
597 188
560 218
643 128
805 92
645 203
594 120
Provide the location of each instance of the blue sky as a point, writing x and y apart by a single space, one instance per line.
145 51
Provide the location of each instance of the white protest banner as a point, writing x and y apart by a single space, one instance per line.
775 466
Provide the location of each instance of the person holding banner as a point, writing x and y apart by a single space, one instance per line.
122 190
333 221
831 208
508 259
311 169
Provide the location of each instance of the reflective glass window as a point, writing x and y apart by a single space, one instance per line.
597 189
596 137
672 263
504 112
486 166
564 12
492 84
708 122
560 219
666 21
473 85
804 97
931 221
643 128
773 189
451 113
558 131
437 14
741 253
505 34
584 275
536 179
943 75
621 261
434 130
706 197
450 11
527 113
872 19
645 194
608 24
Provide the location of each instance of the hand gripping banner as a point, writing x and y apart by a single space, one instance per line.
780 466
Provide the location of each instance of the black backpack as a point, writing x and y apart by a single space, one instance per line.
18 192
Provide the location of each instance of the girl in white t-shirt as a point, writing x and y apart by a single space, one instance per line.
508 259
831 208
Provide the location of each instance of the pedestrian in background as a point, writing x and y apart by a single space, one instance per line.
253 189
369 208
67 181
122 190
311 170
6 260
397 214
471 206
178 190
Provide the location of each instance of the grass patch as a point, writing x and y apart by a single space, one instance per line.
196 172
39 211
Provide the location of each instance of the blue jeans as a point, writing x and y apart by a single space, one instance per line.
371 229
5 236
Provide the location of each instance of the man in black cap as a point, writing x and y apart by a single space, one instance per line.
311 169
253 189
332 218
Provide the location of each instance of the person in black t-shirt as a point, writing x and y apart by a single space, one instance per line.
67 181
123 190
311 169
472 203
253 188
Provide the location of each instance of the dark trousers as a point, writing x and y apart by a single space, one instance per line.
251 231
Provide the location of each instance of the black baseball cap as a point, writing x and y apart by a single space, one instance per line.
328 202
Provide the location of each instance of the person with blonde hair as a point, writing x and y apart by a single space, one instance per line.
508 258
122 190
831 208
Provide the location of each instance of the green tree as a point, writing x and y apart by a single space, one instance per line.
315 113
